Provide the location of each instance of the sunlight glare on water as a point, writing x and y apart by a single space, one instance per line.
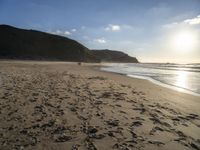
181 80
182 77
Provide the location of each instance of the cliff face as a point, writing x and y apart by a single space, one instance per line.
30 44
114 56
35 45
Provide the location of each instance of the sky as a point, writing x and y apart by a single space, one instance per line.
151 30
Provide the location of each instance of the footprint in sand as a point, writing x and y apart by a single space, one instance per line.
158 143
136 123
156 129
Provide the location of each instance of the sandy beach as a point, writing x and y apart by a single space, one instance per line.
64 106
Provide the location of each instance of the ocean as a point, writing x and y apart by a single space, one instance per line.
181 77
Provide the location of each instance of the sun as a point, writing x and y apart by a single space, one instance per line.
184 41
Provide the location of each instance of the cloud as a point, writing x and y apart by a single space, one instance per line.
112 27
73 30
67 33
193 21
170 25
62 33
58 32
100 40
85 37
83 27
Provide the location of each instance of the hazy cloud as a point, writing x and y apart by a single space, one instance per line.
85 37
67 33
170 25
83 27
100 40
62 33
73 30
193 21
58 32
112 27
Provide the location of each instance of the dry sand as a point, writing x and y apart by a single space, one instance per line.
63 106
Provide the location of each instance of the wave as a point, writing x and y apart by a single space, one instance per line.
184 76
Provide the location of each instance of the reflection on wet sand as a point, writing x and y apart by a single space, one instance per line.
181 80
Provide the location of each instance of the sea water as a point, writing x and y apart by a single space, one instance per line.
182 77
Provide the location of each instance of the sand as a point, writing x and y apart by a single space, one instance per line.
64 106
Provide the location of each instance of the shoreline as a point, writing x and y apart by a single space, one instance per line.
178 89
157 82
61 105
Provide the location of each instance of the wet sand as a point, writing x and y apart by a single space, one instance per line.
56 105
